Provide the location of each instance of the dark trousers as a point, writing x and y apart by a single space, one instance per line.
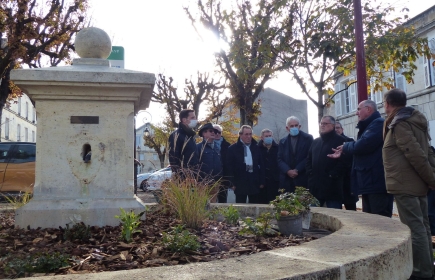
350 206
336 204
431 210
378 203
413 213
241 198
262 196
222 195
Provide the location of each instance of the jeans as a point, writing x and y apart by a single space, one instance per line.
336 204
378 203
413 213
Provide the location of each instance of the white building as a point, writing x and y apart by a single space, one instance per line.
421 94
148 157
18 121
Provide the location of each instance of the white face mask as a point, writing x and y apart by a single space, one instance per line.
193 123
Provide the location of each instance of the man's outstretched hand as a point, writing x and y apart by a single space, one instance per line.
337 152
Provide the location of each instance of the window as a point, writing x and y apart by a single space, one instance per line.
346 97
155 157
429 66
7 128
26 134
33 136
141 157
19 106
400 81
18 133
24 153
27 110
34 115
4 151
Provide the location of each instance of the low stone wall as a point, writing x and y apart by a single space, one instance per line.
363 246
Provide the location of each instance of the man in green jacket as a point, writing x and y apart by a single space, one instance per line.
409 175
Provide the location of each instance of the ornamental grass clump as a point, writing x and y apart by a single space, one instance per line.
188 195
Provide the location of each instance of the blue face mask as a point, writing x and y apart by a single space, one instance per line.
268 140
294 131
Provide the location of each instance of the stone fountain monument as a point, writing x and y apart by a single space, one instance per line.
85 142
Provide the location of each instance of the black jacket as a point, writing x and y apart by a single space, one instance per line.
289 159
270 161
182 148
325 175
224 151
246 183
209 160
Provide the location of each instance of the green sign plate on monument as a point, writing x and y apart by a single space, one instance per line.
116 57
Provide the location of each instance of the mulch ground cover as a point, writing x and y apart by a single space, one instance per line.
106 251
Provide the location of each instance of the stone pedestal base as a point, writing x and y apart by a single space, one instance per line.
94 212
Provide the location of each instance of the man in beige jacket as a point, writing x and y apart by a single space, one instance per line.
409 175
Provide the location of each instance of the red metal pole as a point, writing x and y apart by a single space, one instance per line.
361 73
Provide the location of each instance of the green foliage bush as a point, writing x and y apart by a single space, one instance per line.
130 222
79 231
230 214
180 240
39 263
259 227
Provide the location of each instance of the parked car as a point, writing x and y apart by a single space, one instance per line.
17 168
156 179
142 180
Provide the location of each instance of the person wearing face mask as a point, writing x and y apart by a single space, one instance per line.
269 153
182 146
292 155
222 145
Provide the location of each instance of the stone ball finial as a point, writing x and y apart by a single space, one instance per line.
93 42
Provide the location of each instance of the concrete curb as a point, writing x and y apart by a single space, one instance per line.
363 246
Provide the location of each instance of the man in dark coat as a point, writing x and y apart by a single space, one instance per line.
349 199
292 156
209 156
325 175
222 146
269 154
182 146
368 177
245 167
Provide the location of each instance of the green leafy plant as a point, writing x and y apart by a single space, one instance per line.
259 227
229 214
180 240
187 194
79 231
130 222
39 263
306 198
287 204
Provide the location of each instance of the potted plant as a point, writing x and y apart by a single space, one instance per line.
307 200
288 213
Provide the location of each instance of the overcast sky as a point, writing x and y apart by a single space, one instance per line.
158 37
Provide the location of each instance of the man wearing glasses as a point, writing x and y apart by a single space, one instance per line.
325 174
367 175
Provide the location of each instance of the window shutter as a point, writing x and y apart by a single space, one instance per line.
427 74
337 100
352 96
400 81
432 61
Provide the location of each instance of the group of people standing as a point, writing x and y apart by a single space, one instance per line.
390 159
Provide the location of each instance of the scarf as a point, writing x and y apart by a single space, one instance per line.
218 143
189 131
248 157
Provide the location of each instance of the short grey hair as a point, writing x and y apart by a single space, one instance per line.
337 122
216 126
331 119
243 127
371 104
266 130
292 118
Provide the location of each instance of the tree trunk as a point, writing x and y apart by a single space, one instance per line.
162 160
4 93
244 118
320 105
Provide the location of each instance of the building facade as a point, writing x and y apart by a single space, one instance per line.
148 157
18 121
421 94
